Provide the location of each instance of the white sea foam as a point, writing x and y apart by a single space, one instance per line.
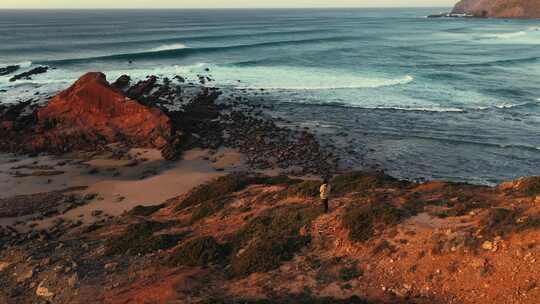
420 109
292 78
511 105
24 64
357 83
506 35
168 47
530 35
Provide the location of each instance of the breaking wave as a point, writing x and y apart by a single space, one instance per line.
168 47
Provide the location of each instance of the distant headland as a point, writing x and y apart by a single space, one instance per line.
524 9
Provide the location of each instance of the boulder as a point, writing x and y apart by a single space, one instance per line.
44 292
499 8
92 113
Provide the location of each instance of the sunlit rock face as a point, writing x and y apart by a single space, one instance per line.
499 8
91 112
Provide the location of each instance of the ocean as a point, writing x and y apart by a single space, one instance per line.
449 99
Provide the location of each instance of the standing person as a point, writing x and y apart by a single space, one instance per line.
325 193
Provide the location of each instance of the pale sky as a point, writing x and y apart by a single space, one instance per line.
217 3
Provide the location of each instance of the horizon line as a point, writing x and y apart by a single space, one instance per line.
218 8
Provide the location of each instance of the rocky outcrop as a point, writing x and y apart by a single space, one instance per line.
92 113
122 82
499 8
29 74
8 70
142 88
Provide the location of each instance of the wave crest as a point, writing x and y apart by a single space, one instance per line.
505 35
357 84
168 47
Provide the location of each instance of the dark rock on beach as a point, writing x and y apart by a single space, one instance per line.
8 70
159 114
122 82
27 75
142 88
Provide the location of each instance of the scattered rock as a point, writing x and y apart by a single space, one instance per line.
43 292
4 265
488 245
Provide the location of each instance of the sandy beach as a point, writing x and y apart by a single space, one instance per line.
116 185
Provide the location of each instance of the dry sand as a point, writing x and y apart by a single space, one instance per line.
120 185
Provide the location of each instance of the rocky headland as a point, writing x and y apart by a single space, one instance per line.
526 9
166 191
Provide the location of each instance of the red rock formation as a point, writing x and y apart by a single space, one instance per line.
499 8
92 113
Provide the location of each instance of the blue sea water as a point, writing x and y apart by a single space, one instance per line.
452 99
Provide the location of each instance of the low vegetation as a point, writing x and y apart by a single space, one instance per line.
145 210
270 239
308 188
502 222
531 186
140 239
226 185
199 252
461 208
365 221
208 208
348 273
358 181
216 189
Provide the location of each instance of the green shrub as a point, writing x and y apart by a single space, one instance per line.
348 273
499 221
145 210
363 222
502 222
357 181
308 188
208 208
226 185
199 252
139 239
531 186
214 196
269 239
216 189
275 180
262 255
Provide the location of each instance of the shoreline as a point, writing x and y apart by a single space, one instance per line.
216 138
118 173
222 206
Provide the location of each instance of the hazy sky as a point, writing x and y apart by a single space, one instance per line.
216 3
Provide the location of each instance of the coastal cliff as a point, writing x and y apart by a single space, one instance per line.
527 9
